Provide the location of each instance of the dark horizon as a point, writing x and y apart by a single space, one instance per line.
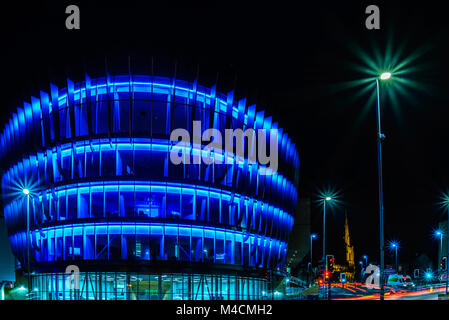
291 63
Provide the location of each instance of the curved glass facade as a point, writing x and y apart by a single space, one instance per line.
106 197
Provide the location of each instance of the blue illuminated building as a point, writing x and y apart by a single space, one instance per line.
106 197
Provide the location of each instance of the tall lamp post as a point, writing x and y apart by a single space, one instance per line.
447 264
395 247
439 234
326 199
27 193
312 236
380 137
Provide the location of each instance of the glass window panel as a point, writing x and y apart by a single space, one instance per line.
184 244
101 117
108 161
143 159
92 162
173 202
83 127
141 120
68 244
220 247
89 243
187 204
62 206
197 245
97 202
158 202
111 201
143 201
201 205
159 113
238 249
214 208
72 199
246 252
78 243
114 243
127 201
229 248
234 213
156 243
67 165
171 243
225 209
159 163
125 165
59 252
83 203
124 115
129 243
208 250
143 243
101 242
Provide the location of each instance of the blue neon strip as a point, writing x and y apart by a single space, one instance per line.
158 227
172 187
283 186
271 248
146 87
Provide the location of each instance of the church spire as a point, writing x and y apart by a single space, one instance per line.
349 247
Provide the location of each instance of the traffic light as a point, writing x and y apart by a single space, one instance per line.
330 262
443 264
342 277
327 275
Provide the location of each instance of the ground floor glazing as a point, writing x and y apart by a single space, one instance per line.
137 286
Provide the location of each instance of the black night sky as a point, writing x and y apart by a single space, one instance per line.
288 60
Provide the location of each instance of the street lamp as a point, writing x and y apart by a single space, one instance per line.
380 136
27 193
326 199
365 257
445 204
447 267
385 76
312 236
439 234
395 246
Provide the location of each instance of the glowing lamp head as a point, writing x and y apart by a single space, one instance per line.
328 198
385 76
26 191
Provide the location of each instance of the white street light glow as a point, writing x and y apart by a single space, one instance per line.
385 76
